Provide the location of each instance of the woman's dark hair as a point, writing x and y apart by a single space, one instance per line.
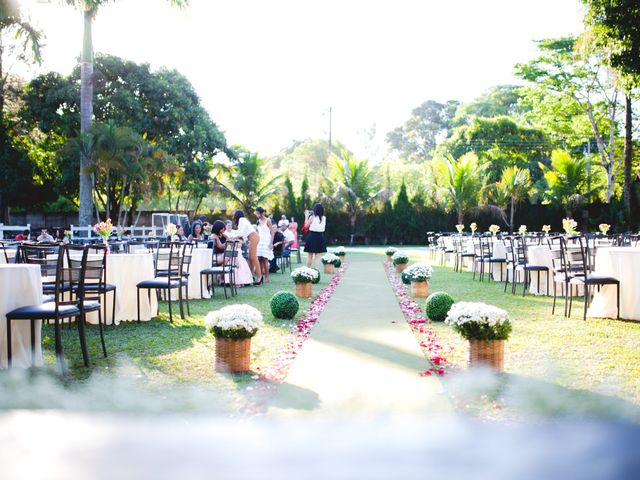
237 215
217 227
260 210
318 210
193 227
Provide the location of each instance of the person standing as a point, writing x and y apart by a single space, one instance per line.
293 228
316 244
243 229
265 245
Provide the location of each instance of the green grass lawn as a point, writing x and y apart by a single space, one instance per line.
158 356
553 365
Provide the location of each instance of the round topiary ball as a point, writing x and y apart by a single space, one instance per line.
438 305
284 305
317 280
405 278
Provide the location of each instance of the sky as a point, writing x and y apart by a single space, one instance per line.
268 71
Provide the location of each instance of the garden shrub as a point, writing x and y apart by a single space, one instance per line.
284 305
438 305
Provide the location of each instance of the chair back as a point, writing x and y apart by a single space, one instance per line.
187 257
509 253
87 264
231 251
168 260
40 254
520 244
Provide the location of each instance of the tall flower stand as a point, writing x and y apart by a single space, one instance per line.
233 355
420 289
489 353
329 268
303 290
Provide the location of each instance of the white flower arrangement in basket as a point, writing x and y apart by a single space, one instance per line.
304 275
419 272
234 321
390 251
340 251
399 258
479 321
331 259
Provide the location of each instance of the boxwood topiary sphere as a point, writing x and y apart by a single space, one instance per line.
317 280
405 278
438 305
284 305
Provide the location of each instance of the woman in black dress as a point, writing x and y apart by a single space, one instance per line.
315 245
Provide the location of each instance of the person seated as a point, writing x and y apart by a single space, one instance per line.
218 240
24 236
179 235
282 241
44 236
197 232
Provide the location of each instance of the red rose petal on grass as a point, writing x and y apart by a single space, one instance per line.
426 373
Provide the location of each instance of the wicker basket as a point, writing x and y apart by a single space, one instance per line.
329 268
420 289
487 353
303 290
233 355
401 267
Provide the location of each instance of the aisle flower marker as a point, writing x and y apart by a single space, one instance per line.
303 277
389 252
419 275
340 252
486 327
233 326
400 261
430 343
330 262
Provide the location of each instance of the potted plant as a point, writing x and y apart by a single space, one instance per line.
303 277
400 261
486 327
233 326
340 252
389 252
419 275
330 262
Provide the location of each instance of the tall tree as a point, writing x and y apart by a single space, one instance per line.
511 189
90 10
428 123
498 101
579 73
17 36
617 29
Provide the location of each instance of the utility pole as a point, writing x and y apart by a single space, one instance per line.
585 212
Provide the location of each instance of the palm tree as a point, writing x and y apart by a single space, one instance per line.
512 187
354 185
463 182
90 9
245 181
567 178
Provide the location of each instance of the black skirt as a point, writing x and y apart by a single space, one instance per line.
315 243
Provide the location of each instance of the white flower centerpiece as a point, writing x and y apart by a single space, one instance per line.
604 228
546 229
400 261
522 230
494 229
419 275
303 277
460 227
569 225
486 327
389 252
171 231
330 262
233 326
473 226
340 252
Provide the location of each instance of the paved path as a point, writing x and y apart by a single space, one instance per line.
356 361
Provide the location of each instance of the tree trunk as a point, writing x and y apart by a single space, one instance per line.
628 157
3 138
86 113
511 214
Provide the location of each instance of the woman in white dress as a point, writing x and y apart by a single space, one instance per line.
265 245
243 229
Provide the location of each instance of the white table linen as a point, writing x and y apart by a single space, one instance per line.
622 263
20 286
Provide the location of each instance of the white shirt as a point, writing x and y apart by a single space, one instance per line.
244 229
288 236
318 224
